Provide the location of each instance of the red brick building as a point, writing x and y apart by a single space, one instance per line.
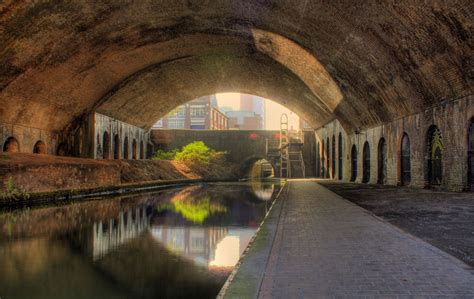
199 114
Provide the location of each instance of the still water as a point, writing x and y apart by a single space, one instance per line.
173 243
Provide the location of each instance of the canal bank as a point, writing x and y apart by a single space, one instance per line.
30 179
317 244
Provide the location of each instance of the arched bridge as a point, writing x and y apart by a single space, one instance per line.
244 147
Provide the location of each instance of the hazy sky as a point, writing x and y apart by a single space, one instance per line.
273 110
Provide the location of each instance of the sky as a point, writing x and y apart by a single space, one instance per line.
273 110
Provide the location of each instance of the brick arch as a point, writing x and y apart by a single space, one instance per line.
338 61
134 149
366 161
354 166
405 160
39 148
11 145
433 157
247 164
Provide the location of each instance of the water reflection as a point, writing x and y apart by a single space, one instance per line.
263 190
113 233
213 247
175 243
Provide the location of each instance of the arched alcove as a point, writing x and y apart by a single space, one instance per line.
142 150
106 145
39 148
62 149
333 157
339 155
117 146
134 149
405 160
353 163
11 145
434 157
126 150
366 163
382 162
328 171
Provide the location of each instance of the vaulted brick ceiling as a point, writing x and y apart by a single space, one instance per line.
363 62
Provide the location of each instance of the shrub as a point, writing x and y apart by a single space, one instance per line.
12 192
164 155
195 153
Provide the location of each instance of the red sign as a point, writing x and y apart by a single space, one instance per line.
277 135
253 136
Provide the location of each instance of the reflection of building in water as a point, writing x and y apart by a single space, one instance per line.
207 246
109 235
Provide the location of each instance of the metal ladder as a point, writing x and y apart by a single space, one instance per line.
296 159
285 171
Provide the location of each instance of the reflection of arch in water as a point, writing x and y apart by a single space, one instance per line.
109 235
263 190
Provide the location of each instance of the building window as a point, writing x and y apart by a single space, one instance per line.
198 111
176 123
178 112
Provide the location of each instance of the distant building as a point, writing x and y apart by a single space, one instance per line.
244 120
250 116
199 114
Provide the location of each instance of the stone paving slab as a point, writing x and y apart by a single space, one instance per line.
325 246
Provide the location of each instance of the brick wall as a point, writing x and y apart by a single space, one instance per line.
451 117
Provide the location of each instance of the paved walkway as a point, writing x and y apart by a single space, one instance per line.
325 246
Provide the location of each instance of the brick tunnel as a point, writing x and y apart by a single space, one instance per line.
77 74
383 205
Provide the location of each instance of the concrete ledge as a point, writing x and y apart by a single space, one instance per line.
246 278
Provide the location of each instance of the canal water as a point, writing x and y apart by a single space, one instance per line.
176 243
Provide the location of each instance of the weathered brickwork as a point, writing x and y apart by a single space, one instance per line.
85 141
28 137
451 117
131 139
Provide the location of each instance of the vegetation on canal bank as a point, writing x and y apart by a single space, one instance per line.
11 192
30 176
201 159
196 153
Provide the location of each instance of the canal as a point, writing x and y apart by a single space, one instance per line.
169 244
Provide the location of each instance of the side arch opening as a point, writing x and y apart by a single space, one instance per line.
11 145
353 163
39 148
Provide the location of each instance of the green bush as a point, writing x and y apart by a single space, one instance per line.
164 155
196 153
